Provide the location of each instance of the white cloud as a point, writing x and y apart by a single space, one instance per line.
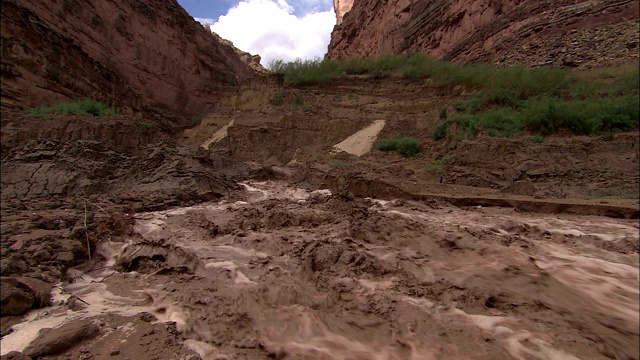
205 21
276 30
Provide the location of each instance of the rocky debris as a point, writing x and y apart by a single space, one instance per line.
14 301
541 170
268 173
15 355
582 33
520 188
147 258
120 337
52 341
256 219
610 44
101 48
365 270
81 181
13 265
147 317
122 131
46 256
343 260
252 60
55 169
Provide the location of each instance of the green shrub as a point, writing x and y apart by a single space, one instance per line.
297 101
546 115
277 98
405 146
443 114
611 193
85 107
436 168
441 128
387 144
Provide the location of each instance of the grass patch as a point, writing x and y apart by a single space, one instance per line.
297 102
44 117
436 167
611 194
339 164
85 108
419 66
405 146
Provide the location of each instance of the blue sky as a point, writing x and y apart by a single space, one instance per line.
207 9
273 29
213 9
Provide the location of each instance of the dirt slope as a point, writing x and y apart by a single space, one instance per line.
559 167
136 55
532 32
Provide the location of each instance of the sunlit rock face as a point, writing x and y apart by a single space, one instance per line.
341 7
530 32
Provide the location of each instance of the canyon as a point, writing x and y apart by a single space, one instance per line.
221 214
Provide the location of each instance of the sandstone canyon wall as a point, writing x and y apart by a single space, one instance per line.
532 32
133 54
341 7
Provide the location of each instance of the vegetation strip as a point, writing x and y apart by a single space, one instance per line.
503 101
84 107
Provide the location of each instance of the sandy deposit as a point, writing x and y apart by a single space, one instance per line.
362 141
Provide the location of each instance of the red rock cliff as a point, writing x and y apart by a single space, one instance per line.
134 54
533 32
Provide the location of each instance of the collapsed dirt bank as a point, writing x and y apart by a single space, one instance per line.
304 130
286 272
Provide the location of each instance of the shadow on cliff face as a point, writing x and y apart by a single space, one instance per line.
56 51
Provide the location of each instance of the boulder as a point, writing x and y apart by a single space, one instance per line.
14 301
56 340
19 294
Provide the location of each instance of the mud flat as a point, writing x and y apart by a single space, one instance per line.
291 273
